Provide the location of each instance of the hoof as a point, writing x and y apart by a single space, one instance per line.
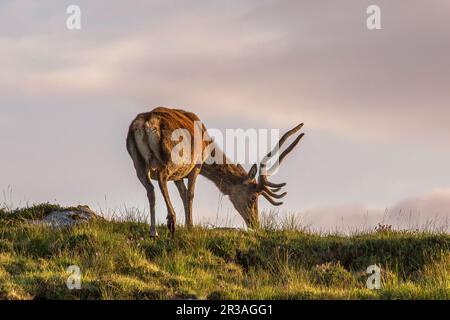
154 234
189 225
171 225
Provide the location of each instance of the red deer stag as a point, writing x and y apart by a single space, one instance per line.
150 144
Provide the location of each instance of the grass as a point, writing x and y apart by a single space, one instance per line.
119 260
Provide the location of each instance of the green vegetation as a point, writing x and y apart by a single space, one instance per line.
120 261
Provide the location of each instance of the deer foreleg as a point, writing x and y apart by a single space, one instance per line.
184 197
192 178
171 217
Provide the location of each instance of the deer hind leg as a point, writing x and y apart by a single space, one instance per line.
171 217
146 182
151 199
142 171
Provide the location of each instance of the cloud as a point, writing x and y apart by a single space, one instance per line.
258 58
429 211
433 204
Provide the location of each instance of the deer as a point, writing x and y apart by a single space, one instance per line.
150 143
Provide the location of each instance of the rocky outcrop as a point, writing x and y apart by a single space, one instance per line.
68 217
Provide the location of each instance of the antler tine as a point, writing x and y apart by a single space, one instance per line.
290 148
274 189
263 182
273 202
268 189
273 194
268 172
279 144
284 154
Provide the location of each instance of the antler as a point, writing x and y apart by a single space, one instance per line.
268 189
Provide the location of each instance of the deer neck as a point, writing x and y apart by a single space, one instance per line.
224 175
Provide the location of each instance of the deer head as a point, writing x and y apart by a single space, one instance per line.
245 195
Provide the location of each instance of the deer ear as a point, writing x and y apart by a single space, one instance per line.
252 173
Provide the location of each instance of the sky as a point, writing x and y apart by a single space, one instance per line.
375 103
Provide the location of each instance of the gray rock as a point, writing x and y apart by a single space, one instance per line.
68 218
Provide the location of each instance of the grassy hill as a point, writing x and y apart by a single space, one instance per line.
119 260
